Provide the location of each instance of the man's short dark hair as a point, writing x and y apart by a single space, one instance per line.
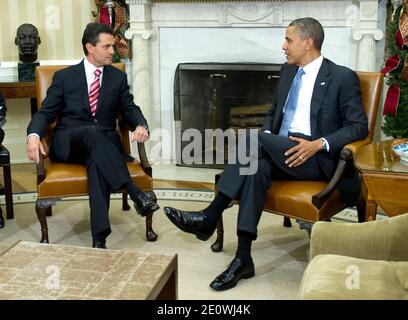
309 28
92 32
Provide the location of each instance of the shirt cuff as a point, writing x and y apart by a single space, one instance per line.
327 144
146 127
33 134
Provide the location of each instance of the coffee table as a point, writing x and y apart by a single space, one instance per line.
38 271
385 179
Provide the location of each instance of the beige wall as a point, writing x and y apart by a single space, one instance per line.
60 24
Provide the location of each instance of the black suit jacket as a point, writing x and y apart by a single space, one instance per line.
2 102
336 111
68 98
336 114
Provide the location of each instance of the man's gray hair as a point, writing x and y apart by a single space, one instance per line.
309 28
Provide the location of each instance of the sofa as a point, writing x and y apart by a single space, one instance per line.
358 260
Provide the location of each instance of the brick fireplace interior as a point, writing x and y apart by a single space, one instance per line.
210 96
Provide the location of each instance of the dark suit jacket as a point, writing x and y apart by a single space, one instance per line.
68 98
2 117
336 112
2 102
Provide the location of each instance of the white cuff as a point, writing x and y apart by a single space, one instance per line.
33 134
327 144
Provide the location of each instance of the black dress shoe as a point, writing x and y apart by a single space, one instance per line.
144 205
99 244
191 222
1 220
236 271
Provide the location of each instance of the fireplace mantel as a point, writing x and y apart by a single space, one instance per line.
165 33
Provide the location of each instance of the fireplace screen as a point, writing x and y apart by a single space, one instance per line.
223 96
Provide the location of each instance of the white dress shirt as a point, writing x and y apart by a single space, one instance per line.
90 73
301 119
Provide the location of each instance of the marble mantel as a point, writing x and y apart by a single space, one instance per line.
165 33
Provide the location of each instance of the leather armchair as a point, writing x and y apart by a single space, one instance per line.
62 180
312 201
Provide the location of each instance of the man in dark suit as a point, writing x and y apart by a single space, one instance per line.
87 98
3 111
317 110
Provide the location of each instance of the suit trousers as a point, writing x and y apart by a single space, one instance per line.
106 169
250 186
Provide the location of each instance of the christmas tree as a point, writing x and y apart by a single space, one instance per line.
396 69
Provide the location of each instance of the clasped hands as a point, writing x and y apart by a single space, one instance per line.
304 150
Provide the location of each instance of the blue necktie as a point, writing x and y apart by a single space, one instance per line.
291 103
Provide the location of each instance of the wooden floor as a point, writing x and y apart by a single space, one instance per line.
24 180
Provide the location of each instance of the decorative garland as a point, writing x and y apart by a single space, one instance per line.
115 14
396 69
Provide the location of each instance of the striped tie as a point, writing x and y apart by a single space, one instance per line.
94 92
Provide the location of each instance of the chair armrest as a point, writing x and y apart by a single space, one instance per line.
354 146
40 170
144 162
385 239
346 157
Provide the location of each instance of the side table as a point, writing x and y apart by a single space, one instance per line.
385 179
20 90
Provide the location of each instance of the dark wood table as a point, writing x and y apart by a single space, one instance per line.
385 179
20 90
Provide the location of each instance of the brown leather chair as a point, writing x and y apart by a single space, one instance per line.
7 190
311 201
62 180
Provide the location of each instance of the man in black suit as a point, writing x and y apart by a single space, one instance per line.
87 98
3 110
317 110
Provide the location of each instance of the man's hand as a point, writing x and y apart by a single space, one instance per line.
300 153
140 134
34 148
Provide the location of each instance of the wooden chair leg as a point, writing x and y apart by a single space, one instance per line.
8 192
366 210
48 211
41 209
218 245
125 203
150 234
286 222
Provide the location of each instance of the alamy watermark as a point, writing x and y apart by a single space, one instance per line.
353 280
52 17
53 280
192 146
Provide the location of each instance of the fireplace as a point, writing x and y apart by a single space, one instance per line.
210 96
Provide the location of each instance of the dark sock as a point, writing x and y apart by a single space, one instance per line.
244 245
132 190
216 207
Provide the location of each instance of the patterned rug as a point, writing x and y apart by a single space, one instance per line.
347 215
280 254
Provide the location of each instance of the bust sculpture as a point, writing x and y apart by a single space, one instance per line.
27 40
